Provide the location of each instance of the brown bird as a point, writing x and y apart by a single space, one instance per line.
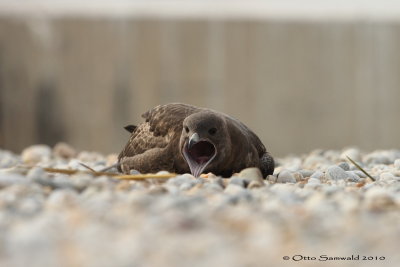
182 138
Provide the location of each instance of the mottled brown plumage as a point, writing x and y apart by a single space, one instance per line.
182 138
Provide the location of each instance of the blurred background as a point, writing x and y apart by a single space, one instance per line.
302 74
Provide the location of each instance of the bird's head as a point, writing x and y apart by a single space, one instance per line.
202 142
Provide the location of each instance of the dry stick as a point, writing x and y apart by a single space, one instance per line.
361 169
115 175
87 167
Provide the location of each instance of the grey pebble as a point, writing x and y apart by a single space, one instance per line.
181 179
336 173
352 176
306 173
344 165
187 185
317 175
8 159
8 179
360 174
214 187
234 188
285 177
238 181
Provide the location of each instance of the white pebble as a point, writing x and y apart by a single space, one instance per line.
35 154
397 164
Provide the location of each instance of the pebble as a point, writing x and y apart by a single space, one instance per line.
352 176
272 178
238 181
234 189
285 177
336 173
7 179
397 164
35 154
255 184
298 176
306 173
317 175
7 159
251 174
64 150
378 198
344 165
387 176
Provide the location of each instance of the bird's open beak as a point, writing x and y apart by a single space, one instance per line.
198 154
193 140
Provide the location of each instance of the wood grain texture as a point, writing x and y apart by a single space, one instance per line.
299 85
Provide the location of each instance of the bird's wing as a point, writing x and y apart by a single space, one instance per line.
141 140
168 118
162 124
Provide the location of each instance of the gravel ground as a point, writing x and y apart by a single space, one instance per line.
315 207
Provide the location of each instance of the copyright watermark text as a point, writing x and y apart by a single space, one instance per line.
299 257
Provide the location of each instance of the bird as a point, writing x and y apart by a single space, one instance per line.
183 138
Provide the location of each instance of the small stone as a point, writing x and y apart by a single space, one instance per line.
397 164
181 179
7 159
378 157
255 184
336 173
317 175
187 185
298 176
234 189
133 172
63 150
251 174
285 177
314 181
344 165
272 178
238 181
35 154
352 177
37 173
217 180
377 198
157 190
213 187
306 173
360 174
8 179
387 176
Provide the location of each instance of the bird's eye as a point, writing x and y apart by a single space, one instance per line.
212 131
186 129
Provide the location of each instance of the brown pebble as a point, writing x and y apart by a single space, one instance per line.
63 150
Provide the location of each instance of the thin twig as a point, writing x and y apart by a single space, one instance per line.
361 169
115 175
87 167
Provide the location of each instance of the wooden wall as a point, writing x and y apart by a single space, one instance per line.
300 85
